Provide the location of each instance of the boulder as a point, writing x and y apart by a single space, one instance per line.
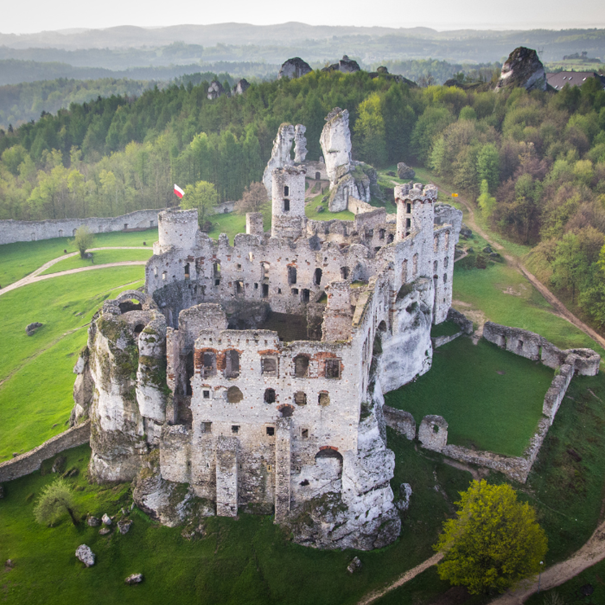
84 554
124 525
404 172
345 65
59 464
33 328
106 519
405 492
523 69
294 68
135 578
93 521
354 565
104 531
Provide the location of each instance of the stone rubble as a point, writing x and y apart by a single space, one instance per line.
84 554
135 578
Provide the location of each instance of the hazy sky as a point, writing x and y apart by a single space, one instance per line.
27 16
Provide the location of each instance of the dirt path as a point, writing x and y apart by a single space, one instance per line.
401 580
592 552
31 279
560 308
35 276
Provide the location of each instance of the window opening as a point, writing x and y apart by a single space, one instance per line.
292 275
270 431
231 364
209 364
344 272
286 205
234 428
306 295
187 273
332 368
234 395
189 373
286 190
270 396
206 427
301 366
300 398
323 398
317 277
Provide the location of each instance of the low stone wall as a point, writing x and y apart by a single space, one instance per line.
12 231
224 207
439 341
31 461
357 206
465 325
433 431
535 347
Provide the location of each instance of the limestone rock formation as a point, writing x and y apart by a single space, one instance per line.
345 65
294 68
33 327
354 565
300 144
404 172
84 554
347 177
215 90
106 519
524 69
280 154
241 87
93 521
124 525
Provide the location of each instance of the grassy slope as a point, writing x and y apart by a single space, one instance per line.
19 259
100 257
37 393
484 409
249 560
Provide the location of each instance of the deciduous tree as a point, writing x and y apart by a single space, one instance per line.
55 500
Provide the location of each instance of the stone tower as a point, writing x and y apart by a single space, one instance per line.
177 228
288 199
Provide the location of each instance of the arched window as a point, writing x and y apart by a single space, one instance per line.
208 364
291 275
234 395
269 395
286 410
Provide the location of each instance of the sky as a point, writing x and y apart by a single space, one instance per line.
28 16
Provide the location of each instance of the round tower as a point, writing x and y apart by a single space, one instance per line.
177 228
288 202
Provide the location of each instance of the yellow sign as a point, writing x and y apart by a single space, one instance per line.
454 195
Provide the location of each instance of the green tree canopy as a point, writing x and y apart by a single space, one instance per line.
203 197
83 239
55 500
493 542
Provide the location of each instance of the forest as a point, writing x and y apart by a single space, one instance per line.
534 162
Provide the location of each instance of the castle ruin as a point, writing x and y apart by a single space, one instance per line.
250 377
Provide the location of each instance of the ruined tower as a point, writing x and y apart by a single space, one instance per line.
288 199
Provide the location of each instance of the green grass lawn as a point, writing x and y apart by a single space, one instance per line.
100 257
485 409
36 392
506 297
249 560
19 259
326 215
445 328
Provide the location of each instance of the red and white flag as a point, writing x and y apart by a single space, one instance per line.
178 191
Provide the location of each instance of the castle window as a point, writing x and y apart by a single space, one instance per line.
286 190
270 431
306 294
279 290
286 411
206 394
206 427
300 398
256 286
324 398
446 262
344 272
234 429
436 243
317 277
381 233
304 433
301 366
234 395
332 368
268 366
286 205
445 278
239 267
447 239
231 364
217 282
189 370
125 226
270 396
250 256
294 291
187 274
317 176
164 276
435 266
265 290
408 208
415 265
291 275
404 271
390 238
216 267
265 270
239 286
370 233
209 364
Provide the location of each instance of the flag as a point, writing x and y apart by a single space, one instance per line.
178 191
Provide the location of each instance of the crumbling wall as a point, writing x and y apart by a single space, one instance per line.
400 421
30 231
27 463
432 433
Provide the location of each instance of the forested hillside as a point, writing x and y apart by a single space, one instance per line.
535 162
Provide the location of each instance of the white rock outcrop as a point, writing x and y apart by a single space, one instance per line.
85 554
281 154
300 144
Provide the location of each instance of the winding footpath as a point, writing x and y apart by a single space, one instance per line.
36 276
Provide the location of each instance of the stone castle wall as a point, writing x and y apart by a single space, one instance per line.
30 231
31 461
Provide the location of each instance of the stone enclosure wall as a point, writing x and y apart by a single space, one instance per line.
31 461
433 433
30 231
